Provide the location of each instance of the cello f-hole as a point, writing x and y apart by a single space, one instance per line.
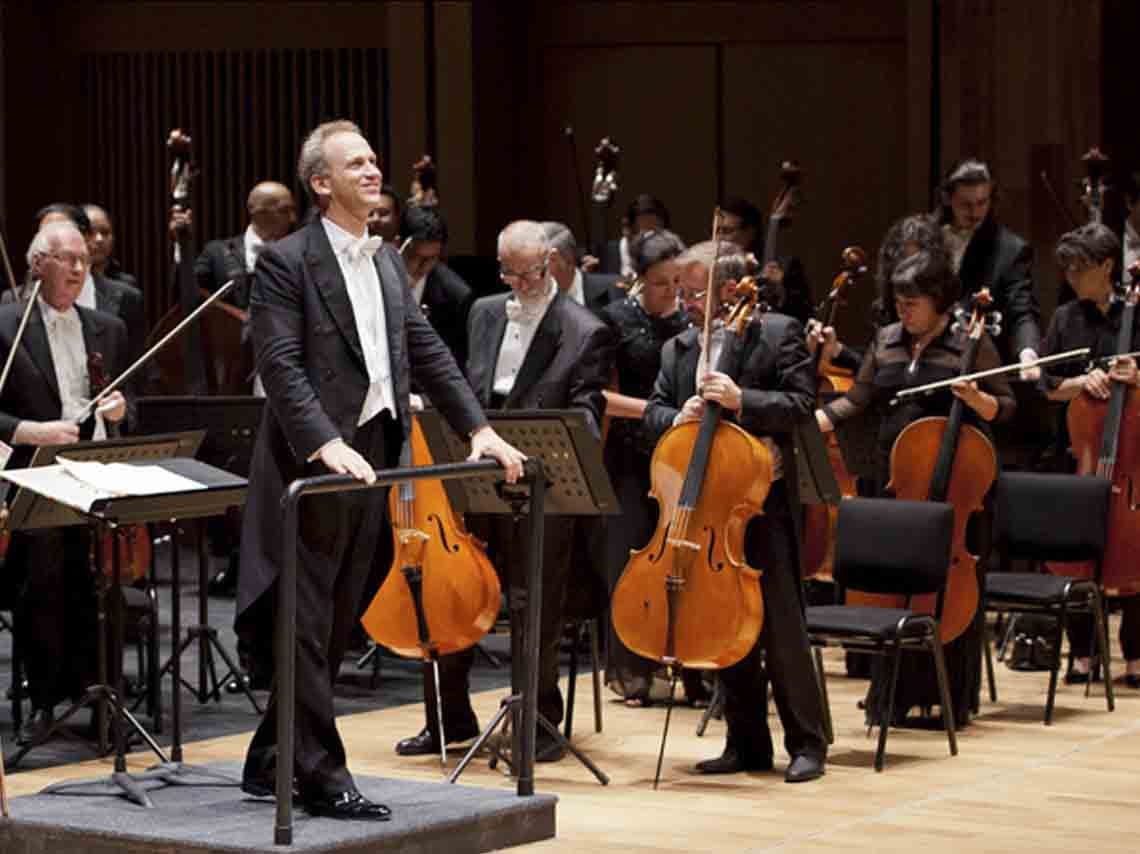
454 549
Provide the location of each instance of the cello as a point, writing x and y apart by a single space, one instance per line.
938 458
1106 442
442 593
689 597
818 546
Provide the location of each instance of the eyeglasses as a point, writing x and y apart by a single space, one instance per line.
692 296
70 259
533 273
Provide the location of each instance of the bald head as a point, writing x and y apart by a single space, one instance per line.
272 211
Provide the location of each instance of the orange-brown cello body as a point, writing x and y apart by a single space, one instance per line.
1120 572
913 459
722 609
460 587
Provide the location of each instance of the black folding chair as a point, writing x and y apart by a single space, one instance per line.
1054 517
892 547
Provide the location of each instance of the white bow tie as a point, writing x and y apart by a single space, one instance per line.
519 313
363 247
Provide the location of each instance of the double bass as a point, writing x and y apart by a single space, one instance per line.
1105 436
939 458
442 594
818 548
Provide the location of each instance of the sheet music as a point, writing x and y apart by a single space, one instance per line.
80 484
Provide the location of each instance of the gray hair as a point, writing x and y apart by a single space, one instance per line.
561 238
732 262
523 234
311 161
47 237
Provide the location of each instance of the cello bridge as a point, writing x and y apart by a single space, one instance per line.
683 544
408 536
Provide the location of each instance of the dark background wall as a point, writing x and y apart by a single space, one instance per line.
874 98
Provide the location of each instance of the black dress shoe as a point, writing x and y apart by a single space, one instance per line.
35 728
732 762
225 582
426 743
547 748
804 768
264 785
349 805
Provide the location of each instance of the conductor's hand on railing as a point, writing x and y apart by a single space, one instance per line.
339 456
485 442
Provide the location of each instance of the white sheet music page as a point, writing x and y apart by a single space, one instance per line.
124 479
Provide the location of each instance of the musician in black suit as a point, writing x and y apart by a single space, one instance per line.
532 348
593 290
47 389
338 340
272 215
439 291
768 389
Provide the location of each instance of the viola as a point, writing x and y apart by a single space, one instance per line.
133 541
818 548
1106 442
939 458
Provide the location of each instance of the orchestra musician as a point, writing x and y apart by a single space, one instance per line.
47 389
116 292
774 387
593 290
645 213
338 339
642 324
384 220
922 346
1088 257
534 348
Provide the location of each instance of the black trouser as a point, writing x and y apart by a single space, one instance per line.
787 660
55 615
1080 630
508 550
338 536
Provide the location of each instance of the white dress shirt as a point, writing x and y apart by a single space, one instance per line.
522 323
418 289
253 247
957 242
363 282
577 290
1131 248
86 296
69 358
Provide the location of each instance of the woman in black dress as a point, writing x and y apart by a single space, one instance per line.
642 323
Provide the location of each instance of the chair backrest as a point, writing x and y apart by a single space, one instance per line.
1061 517
884 545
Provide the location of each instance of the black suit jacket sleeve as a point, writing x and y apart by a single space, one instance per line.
778 409
661 408
592 374
277 322
131 311
1022 312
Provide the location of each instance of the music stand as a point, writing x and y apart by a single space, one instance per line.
578 485
215 490
230 424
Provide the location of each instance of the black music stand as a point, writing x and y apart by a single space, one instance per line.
230 424
218 491
577 485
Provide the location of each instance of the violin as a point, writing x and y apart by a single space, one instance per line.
820 519
442 593
1106 442
133 541
939 458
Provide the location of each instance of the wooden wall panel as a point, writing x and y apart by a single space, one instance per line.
653 101
841 111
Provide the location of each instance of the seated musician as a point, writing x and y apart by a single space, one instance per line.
1088 257
773 389
924 346
533 348
593 290
384 220
115 293
46 390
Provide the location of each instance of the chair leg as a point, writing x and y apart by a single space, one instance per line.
571 687
1100 626
1051 697
828 727
986 646
944 691
595 663
887 712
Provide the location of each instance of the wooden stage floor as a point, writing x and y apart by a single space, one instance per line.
1016 784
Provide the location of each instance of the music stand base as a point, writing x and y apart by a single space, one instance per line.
508 708
184 774
196 634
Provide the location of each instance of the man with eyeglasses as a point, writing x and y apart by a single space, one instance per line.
47 390
593 290
534 348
